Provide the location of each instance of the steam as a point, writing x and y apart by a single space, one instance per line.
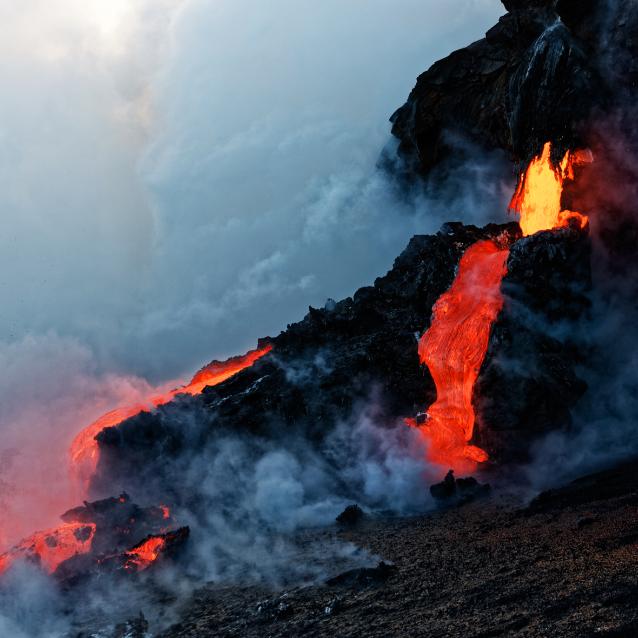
29 603
253 503
232 161
50 388
178 179
604 428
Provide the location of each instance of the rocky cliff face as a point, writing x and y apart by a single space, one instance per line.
541 74
318 371
340 355
528 382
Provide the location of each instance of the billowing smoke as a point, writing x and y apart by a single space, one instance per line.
50 388
179 178
29 602
163 180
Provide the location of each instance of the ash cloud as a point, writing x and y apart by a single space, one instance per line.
230 179
180 178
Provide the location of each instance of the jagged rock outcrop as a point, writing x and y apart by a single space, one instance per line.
318 371
528 381
543 73
338 356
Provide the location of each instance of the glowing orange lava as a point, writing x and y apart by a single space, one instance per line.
454 348
217 372
455 345
146 553
84 451
538 196
51 547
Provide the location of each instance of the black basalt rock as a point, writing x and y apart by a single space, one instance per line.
351 516
528 381
458 491
318 371
336 358
540 75
321 367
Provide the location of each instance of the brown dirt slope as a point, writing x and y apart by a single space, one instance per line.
565 566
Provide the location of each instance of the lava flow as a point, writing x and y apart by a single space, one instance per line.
454 348
84 450
538 196
455 345
144 554
52 547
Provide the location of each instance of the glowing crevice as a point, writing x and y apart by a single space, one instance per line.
51 547
540 189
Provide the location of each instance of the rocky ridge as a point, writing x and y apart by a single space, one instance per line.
541 74
321 368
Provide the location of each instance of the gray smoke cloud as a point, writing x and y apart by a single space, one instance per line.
194 176
30 605
179 178
254 505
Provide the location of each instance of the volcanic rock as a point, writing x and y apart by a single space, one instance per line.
118 521
618 482
274 609
528 381
446 488
135 628
363 577
482 571
321 368
539 75
122 529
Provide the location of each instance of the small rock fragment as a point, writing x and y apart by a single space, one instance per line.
458 491
352 515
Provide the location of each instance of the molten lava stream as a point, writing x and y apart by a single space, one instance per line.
84 451
538 196
145 554
52 547
454 348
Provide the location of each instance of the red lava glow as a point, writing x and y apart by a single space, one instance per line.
54 546
454 348
217 372
145 554
84 451
455 345
51 547
538 196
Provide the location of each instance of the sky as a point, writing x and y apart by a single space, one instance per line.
181 177
174 173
